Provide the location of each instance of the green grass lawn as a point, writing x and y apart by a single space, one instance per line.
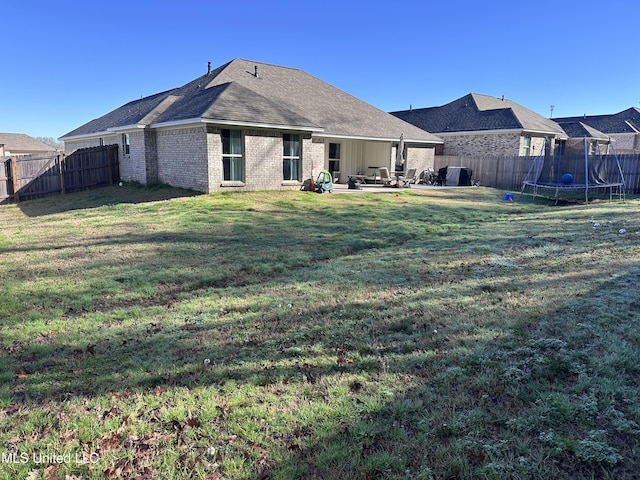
441 334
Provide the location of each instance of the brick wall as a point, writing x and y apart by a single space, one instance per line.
133 166
214 155
625 141
263 151
183 158
313 159
420 158
151 156
263 160
482 144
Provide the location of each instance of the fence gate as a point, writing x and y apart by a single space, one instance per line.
6 189
36 176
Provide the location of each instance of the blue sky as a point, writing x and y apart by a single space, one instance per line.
67 62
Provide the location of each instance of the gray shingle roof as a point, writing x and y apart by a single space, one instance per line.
278 96
575 129
20 142
475 112
627 121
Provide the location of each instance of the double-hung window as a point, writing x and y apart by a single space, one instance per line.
526 146
334 157
291 157
232 158
126 145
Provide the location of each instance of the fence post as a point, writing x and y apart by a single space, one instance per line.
14 180
61 167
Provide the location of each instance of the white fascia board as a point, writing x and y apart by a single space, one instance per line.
631 126
135 126
87 135
106 133
549 134
478 132
519 131
379 139
232 123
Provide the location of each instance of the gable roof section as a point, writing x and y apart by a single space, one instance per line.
575 129
128 115
627 121
232 103
477 113
248 93
20 142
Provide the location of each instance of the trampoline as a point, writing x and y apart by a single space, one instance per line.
573 174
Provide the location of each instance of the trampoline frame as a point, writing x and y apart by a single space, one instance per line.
557 186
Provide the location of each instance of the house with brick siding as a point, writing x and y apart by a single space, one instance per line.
18 144
622 128
483 125
582 138
252 126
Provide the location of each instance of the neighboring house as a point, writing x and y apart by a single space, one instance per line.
582 138
18 144
251 126
623 128
484 125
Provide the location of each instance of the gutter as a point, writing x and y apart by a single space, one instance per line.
191 121
379 139
498 132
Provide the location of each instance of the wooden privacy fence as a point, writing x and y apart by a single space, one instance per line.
508 173
36 176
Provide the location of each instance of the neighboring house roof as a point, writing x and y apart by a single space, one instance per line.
477 113
575 129
627 121
22 143
247 93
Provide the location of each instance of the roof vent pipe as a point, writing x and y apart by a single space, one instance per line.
256 72
208 68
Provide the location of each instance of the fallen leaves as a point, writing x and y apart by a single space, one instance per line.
159 390
22 372
10 410
478 457
191 421
263 466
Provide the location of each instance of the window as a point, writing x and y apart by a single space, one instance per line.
232 160
334 157
291 157
526 145
126 146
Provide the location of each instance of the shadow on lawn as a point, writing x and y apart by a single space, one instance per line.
449 425
99 197
440 407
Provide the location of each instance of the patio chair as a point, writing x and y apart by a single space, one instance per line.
385 177
409 178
